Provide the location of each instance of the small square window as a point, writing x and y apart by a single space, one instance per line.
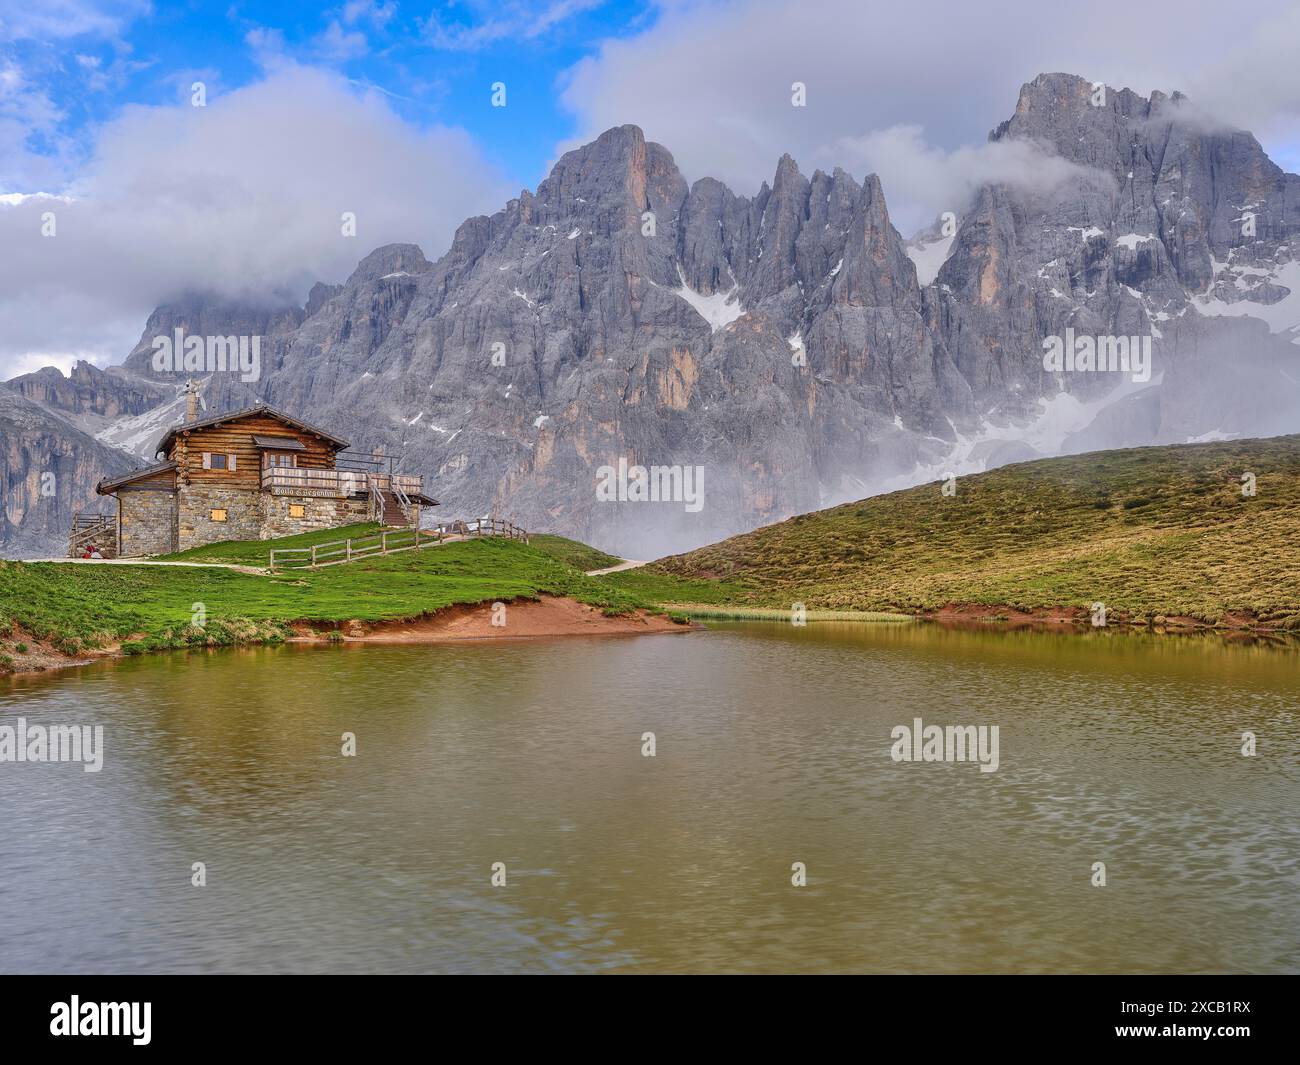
218 514
218 462
297 510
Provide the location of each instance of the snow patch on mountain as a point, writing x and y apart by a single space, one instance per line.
1281 316
139 434
929 257
1132 240
719 310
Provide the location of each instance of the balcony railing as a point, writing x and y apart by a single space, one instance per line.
401 483
300 481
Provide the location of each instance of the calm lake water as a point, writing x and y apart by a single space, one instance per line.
772 748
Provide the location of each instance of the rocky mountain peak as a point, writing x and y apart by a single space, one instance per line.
211 314
391 260
613 181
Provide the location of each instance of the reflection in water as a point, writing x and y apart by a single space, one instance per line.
773 747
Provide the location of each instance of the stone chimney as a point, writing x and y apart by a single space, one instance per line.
191 402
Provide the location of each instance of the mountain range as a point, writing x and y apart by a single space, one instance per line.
792 345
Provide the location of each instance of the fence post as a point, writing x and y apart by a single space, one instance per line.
313 556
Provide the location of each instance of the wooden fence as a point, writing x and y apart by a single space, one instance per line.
390 542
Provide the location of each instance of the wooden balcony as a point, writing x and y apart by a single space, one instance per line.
336 484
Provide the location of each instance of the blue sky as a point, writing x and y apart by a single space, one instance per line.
383 108
435 62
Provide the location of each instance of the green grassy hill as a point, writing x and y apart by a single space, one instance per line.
257 552
573 552
74 607
1147 531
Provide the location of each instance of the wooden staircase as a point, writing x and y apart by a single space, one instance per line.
97 529
389 510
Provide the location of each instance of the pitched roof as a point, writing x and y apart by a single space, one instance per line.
234 415
108 485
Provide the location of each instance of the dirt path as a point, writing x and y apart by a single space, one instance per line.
615 569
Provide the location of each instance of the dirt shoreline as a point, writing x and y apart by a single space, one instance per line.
553 616
1235 622
524 619
521 619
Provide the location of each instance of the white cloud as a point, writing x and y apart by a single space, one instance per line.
243 196
921 180
27 112
61 19
267 46
500 21
915 84
338 43
376 13
1252 79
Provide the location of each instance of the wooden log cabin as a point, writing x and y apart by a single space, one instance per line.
254 474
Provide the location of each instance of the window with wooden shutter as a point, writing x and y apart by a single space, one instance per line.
216 462
297 510
217 514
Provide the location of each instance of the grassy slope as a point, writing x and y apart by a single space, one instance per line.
576 554
658 585
95 604
257 552
1147 531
